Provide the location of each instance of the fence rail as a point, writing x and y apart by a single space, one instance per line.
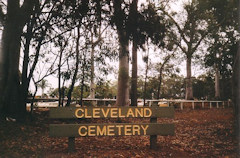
52 102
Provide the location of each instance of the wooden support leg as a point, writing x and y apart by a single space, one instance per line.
153 138
71 144
153 141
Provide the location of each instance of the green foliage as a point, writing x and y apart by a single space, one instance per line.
172 87
106 90
151 25
222 39
75 94
141 25
203 87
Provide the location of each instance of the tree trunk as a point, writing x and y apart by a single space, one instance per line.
83 78
59 78
9 58
24 78
69 95
189 89
9 72
160 82
217 82
123 74
92 83
145 81
134 75
133 19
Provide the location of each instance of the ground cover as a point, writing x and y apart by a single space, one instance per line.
199 133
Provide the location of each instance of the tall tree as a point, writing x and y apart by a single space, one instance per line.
74 78
189 36
134 19
120 21
13 22
137 26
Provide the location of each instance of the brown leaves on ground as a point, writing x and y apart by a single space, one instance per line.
199 133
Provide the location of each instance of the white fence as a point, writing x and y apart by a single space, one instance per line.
193 104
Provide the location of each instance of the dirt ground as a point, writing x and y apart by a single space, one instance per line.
198 133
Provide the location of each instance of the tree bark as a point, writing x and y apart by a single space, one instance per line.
59 79
83 78
160 82
217 82
123 74
189 89
9 62
69 95
133 20
92 83
134 75
9 58
145 85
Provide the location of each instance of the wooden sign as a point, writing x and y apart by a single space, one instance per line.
83 130
112 112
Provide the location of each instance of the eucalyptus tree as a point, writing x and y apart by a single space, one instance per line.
77 62
120 20
138 26
13 19
189 32
99 45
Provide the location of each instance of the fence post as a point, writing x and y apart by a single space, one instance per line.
210 105
217 105
150 103
202 104
181 105
193 106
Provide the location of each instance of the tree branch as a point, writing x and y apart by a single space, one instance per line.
199 42
177 25
27 9
2 16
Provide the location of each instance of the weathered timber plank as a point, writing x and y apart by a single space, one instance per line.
119 129
112 112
